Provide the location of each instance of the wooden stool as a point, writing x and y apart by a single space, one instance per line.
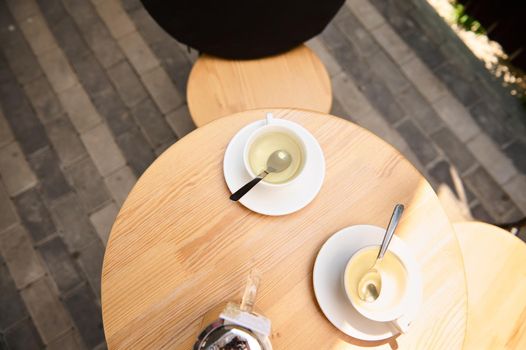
495 263
295 79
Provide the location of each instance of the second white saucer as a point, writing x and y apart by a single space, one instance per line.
328 285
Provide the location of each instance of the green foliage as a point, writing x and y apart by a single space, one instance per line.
466 21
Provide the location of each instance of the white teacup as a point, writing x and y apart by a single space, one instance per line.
271 127
396 294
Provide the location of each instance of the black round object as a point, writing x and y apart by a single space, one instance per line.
242 29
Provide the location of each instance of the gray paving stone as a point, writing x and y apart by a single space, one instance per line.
22 60
338 110
418 109
86 315
22 9
65 140
420 145
356 33
92 76
513 215
488 121
430 22
57 69
23 336
153 124
172 56
48 313
425 49
60 264
316 44
456 117
69 341
88 184
493 198
136 150
389 72
392 43
346 54
175 63
35 215
102 346
43 100
8 25
493 160
103 150
395 16
516 188
69 39
12 307
147 26
352 100
45 164
462 89
423 79
120 184
80 110
130 5
15 172
118 123
94 31
517 125
162 90
454 149
382 100
6 135
26 127
8 215
37 33
3 342
127 83
138 52
441 174
73 222
53 10
480 214
115 18
366 13
180 121
516 151
90 260
103 220
106 100
17 249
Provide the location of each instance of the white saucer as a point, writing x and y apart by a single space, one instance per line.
328 286
275 200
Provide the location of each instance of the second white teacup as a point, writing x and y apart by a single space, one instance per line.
401 284
267 139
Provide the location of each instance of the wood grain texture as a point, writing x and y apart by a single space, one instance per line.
495 263
179 246
295 79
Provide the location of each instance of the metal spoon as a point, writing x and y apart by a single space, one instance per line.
277 162
370 284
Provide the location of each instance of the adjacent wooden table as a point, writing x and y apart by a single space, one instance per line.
495 262
294 79
179 246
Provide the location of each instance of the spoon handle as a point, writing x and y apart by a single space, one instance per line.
395 218
248 186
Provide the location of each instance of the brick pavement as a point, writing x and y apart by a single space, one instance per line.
92 91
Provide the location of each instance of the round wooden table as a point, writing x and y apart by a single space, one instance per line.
495 262
294 79
179 246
